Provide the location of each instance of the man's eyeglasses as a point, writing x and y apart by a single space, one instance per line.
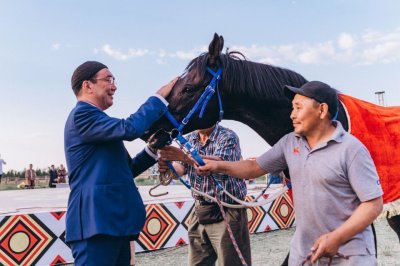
110 79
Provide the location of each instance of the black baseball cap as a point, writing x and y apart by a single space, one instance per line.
319 91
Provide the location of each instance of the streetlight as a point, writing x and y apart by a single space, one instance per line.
380 95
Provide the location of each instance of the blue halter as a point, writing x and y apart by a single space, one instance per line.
202 102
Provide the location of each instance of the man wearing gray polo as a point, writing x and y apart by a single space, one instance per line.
336 189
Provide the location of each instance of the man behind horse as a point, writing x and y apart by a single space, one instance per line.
336 189
209 238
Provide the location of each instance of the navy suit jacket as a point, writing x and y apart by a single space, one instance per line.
103 198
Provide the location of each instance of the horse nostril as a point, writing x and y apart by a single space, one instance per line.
174 133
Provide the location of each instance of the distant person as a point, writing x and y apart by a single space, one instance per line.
52 176
30 177
1 167
105 210
61 174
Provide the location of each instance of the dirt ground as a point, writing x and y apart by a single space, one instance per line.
271 248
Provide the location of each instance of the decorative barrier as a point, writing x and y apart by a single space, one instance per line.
167 223
39 238
33 239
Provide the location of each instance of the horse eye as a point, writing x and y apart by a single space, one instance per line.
188 89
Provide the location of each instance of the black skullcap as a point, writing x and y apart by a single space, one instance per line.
319 91
86 71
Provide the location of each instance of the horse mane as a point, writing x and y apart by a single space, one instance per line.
242 77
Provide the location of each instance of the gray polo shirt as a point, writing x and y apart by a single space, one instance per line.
329 183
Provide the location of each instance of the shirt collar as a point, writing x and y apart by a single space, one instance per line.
339 132
337 135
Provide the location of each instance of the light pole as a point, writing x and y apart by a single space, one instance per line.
380 95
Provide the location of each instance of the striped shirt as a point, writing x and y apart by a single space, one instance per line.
223 143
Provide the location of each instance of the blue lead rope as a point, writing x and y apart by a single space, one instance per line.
176 174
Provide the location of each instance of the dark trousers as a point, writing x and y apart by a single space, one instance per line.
31 183
101 250
210 242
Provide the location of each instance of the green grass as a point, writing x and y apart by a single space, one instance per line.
150 182
42 183
12 184
153 182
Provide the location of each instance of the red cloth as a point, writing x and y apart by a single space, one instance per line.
378 128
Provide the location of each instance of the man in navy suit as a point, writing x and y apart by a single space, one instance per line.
105 209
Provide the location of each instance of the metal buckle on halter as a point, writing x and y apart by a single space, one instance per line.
173 134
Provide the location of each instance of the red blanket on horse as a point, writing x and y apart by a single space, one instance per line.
378 128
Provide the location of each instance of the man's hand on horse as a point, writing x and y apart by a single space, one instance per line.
165 90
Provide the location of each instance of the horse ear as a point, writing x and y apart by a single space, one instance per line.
221 42
215 49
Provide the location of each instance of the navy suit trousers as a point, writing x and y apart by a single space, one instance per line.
102 250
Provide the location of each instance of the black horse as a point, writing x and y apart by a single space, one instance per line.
252 93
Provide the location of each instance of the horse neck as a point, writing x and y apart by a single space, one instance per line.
254 96
270 122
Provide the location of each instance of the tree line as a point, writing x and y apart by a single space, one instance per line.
21 174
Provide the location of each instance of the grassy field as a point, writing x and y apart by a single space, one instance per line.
12 183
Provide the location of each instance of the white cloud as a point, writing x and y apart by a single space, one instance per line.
56 46
369 47
287 51
380 47
316 54
162 53
188 55
161 61
270 60
346 41
183 55
118 55
373 47
386 52
371 36
254 51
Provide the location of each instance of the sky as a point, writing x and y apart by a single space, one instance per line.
352 45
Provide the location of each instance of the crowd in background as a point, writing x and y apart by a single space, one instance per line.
55 175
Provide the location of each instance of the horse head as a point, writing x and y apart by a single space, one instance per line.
251 93
186 92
